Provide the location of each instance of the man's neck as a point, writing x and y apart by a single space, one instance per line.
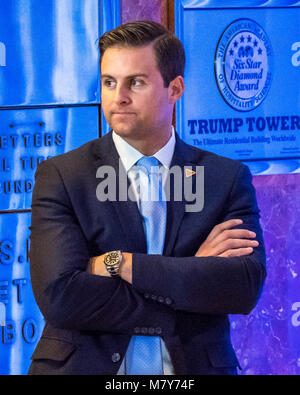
151 146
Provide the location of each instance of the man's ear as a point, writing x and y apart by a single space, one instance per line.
176 89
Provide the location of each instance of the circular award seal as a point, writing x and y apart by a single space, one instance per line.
243 65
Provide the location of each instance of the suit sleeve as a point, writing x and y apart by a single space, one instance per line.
66 294
211 285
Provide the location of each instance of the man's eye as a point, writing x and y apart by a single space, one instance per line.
109 83
135 83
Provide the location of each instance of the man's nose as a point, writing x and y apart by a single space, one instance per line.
122 94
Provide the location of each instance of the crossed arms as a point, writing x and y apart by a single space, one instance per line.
223 241
223 277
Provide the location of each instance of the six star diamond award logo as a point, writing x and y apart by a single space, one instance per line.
243 65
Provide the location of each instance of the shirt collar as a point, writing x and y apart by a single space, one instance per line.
129 155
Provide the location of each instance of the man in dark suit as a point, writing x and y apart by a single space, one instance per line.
117 286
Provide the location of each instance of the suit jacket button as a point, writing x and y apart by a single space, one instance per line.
151 331
161 299
158 331
153 297
146 295
137 330
116 357
168 301
144 331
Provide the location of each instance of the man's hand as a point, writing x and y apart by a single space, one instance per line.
223 241
96 266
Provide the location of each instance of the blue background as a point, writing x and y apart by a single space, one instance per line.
202 99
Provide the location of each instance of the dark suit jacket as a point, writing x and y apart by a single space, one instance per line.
180 297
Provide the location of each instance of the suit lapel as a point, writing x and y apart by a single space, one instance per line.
127 211
183 157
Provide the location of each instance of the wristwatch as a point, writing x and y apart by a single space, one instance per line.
112 262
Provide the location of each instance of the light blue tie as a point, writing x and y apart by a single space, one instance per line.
143 355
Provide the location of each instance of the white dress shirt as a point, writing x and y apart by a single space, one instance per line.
129 156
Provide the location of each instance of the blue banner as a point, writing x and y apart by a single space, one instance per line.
242 97
48 52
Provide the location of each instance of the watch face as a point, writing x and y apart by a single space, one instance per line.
112 258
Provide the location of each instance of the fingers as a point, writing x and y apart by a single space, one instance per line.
237 252
225 241
235 244
222 227
233 234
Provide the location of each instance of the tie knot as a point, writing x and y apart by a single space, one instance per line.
147 162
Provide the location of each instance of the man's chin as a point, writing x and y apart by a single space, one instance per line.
124 132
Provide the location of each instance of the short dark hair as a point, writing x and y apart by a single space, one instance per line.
168 49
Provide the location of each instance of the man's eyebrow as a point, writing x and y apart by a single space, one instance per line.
128 76
138 75
106 76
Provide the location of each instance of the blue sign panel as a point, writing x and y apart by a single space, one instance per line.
48 52
242 97
22 321
28 137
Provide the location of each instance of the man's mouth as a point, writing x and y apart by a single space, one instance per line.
123 113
